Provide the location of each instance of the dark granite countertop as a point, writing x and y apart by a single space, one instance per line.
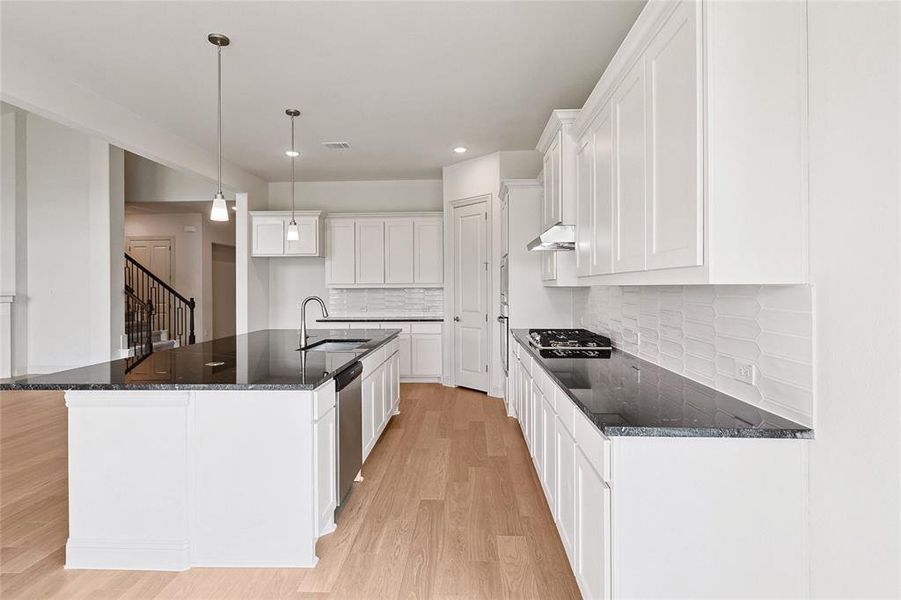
262 360
626 396
374 319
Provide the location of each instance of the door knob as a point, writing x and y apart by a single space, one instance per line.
457 319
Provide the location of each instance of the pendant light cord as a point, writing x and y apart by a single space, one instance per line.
292 168
219 117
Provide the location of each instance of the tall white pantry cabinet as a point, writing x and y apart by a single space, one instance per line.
688 161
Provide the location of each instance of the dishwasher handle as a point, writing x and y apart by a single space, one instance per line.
348 375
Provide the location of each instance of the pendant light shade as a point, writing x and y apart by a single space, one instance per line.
219 211
293 233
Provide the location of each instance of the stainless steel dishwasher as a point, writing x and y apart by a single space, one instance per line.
348 385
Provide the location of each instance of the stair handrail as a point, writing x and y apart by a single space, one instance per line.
148 308
166 286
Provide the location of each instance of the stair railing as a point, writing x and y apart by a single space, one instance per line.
172 312
138 328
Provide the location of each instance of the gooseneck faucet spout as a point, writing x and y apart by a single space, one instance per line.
303 317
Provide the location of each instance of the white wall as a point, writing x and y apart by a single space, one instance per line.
855 502
68 239
149 181
290 280
358 196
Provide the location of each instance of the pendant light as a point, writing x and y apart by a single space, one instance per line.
219 211
293 232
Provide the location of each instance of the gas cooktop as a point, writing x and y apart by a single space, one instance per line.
570 343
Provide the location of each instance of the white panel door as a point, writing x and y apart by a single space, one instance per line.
399 251
471 296
592 567
268 236
308 244
602 209
341 253
629 181
428 255
585 234
370 251
425 350
675 202
154 254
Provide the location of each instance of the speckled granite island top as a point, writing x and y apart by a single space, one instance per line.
262 360
626 396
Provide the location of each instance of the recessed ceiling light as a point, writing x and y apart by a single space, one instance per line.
292 153
460 149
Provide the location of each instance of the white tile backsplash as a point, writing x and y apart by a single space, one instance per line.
700 331
386 301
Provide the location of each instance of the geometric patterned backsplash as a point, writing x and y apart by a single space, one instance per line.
354 302
700 331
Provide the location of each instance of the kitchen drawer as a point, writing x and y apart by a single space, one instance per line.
425 328
374 359
595 445
324 400
566 410
404 327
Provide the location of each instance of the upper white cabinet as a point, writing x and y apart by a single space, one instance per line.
696 179
269 231
385 250
559 202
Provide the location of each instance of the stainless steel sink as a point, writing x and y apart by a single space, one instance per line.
334 345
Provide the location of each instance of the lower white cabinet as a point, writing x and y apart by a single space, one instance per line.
325 463
425 355
419 347
685 517
381 392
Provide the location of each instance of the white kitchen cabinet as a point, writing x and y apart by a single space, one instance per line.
629 169
325 463
592 542
269 231
709 184
675 205
537 417
404 365
425 350
381 393
549 456
566 484
340 263
399 251
387 250
428 250
585 195
558 203
370 251
601 240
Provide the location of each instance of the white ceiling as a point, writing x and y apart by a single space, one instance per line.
402 82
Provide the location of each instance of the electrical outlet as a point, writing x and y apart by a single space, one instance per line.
636 374
746 372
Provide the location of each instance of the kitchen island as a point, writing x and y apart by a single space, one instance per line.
221 454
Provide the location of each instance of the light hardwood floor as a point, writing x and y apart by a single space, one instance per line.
450 508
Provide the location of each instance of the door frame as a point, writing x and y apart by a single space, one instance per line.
450 256
149 238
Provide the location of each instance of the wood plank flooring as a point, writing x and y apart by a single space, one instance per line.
450 508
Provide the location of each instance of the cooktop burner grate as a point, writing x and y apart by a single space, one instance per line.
568 339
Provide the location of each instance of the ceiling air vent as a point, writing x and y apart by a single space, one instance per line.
336 145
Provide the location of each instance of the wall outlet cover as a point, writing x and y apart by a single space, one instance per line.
746 372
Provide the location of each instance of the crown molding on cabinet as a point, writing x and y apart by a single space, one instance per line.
559 118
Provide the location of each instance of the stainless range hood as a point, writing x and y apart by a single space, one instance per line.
557 237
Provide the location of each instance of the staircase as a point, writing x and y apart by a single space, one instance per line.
156 316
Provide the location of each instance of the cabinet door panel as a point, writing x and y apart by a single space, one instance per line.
370 251
341 252
326 468
592 567
268 236
368 412
555 201
602 209
403 355
629 181
675 203
426 355
566 489
399 251
585 233
550 455
429 250
308 244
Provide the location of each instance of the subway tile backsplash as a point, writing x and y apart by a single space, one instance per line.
701 331
386 301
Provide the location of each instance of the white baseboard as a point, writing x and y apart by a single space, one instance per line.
131 555
420 380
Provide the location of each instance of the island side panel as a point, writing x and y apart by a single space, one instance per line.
253 479
128 480
709 517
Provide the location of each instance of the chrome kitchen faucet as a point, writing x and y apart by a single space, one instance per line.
303 317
